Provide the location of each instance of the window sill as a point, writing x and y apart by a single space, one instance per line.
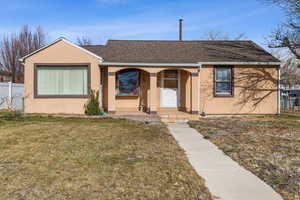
223 95
133 96
60 96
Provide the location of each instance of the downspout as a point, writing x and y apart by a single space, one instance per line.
278 92
199 98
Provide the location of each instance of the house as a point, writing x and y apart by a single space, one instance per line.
5 76
198 77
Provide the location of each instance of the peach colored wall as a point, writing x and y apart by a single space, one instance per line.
255 91
104 78
185 91
59 52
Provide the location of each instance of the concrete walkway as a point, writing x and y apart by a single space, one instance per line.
225 178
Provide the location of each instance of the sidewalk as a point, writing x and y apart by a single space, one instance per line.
225 178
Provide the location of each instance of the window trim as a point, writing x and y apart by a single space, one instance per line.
139 83
215 94
36 65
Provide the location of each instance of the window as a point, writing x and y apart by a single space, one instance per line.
223 84
170 78
61 81
128 83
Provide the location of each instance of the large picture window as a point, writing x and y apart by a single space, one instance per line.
128 83
223 84
61 81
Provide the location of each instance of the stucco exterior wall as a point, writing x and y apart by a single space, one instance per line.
63 53
255 91
185 91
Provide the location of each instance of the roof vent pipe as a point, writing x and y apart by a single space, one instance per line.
180 29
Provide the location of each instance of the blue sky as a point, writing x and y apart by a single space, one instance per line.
137 19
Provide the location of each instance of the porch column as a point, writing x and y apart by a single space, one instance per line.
111 92
153 93
195 92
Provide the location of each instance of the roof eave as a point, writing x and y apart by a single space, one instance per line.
22 60
150 64
241 63
185 64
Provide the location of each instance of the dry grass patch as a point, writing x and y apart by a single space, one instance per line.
57 158
269 146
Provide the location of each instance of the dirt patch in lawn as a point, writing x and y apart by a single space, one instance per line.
58 158
269 146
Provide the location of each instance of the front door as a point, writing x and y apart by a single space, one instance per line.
169 93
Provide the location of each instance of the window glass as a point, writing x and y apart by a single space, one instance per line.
223 85
223 88
170 74
170 84
62 80
223 74
128 83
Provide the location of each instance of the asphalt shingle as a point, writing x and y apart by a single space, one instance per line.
168 51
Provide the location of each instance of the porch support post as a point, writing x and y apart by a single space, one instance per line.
111 92
153 93
195 92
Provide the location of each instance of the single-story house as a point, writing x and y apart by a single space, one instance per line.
198 77
6 76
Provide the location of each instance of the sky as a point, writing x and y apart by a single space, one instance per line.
101 20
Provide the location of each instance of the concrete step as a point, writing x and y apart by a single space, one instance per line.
178 118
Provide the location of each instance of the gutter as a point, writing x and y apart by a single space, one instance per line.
150 64
186 64
240 63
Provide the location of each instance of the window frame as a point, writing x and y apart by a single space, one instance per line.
231 94
139 83
36 65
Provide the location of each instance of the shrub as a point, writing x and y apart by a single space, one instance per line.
10 115
92 106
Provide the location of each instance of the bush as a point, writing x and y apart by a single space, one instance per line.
92 106
10 115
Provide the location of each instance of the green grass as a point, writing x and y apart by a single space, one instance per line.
74 158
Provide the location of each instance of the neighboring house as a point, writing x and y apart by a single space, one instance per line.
199 77
5 76
292 84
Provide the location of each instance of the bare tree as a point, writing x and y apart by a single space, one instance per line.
219 35
287 35
15 46
10 56
290 73
82 41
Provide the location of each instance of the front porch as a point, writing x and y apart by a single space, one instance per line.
166 91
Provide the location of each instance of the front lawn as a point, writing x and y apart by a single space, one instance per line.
269 146
59 158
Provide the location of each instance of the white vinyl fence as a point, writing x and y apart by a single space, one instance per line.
11 96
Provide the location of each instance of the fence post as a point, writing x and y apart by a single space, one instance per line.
10 93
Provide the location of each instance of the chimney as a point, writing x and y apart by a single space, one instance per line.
180 29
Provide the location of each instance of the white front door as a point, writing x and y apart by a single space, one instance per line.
169 92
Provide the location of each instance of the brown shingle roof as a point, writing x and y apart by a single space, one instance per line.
166 51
